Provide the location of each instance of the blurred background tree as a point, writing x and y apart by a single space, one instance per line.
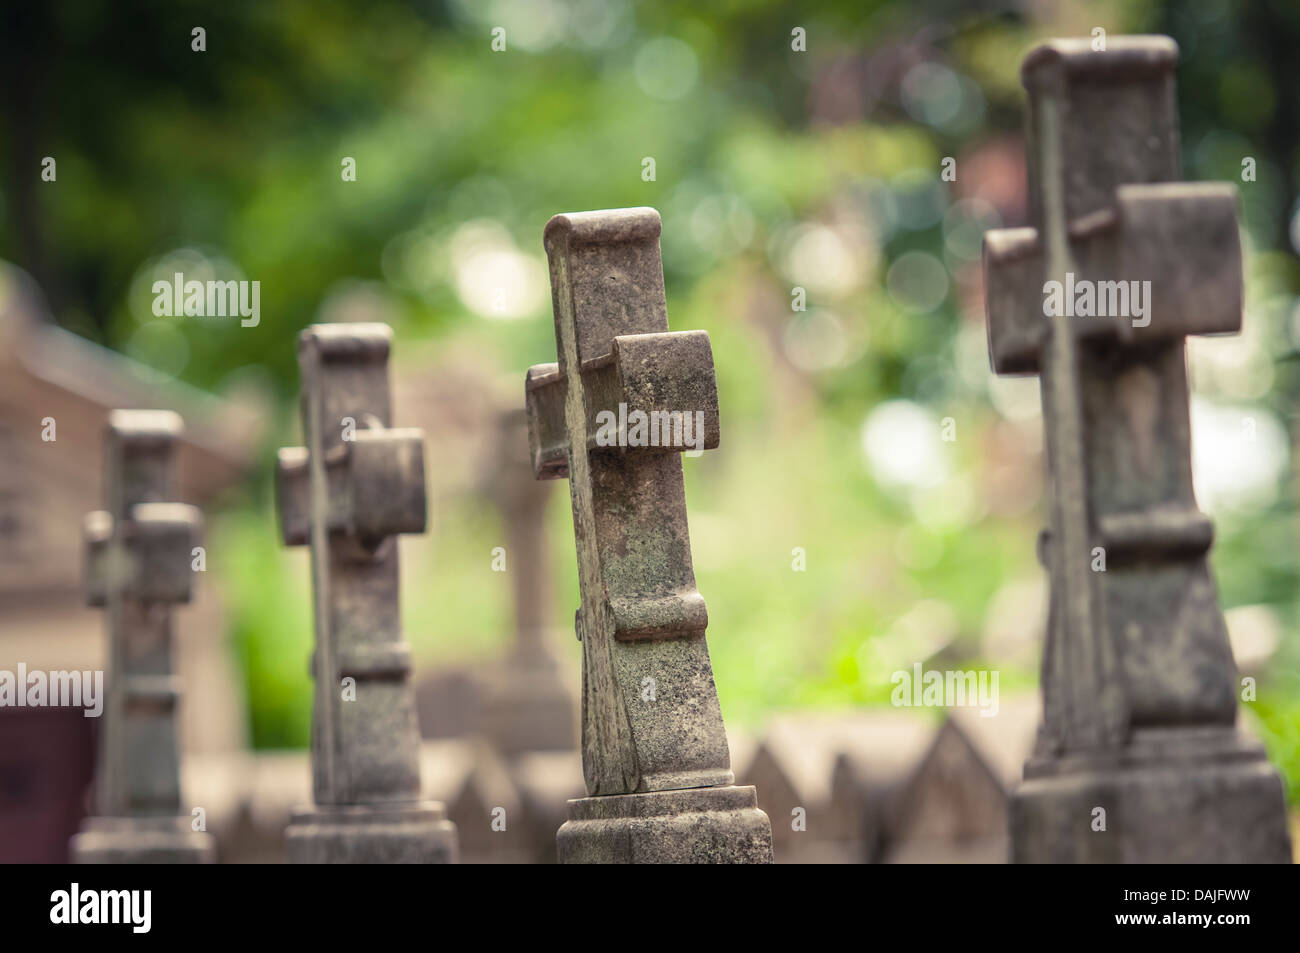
864 431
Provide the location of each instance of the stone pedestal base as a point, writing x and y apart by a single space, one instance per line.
1184 797
142 840
694 826
415 832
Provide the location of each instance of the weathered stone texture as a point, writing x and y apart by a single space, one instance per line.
1139 686
357 484
650 715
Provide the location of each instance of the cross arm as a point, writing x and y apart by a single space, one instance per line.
162 537
662 375
97 569
1181 237
548 442
155 560
376 486
1013 299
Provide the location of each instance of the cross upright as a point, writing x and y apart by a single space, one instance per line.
347 494
528 705
521 501
1137 670
651 722
138 565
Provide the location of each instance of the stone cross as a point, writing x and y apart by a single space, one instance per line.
528 706
138 565
347 494
653 742
1137 669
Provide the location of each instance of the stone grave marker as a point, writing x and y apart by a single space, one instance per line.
527 705
347 494
138 564
1138 682
45 485
654 748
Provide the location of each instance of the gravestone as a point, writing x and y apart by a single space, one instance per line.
1139 686
347 494
526 705
654 748
138 565
50 376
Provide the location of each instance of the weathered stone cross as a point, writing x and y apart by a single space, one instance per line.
1137 671
139 565
347 494
652 732
528 705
